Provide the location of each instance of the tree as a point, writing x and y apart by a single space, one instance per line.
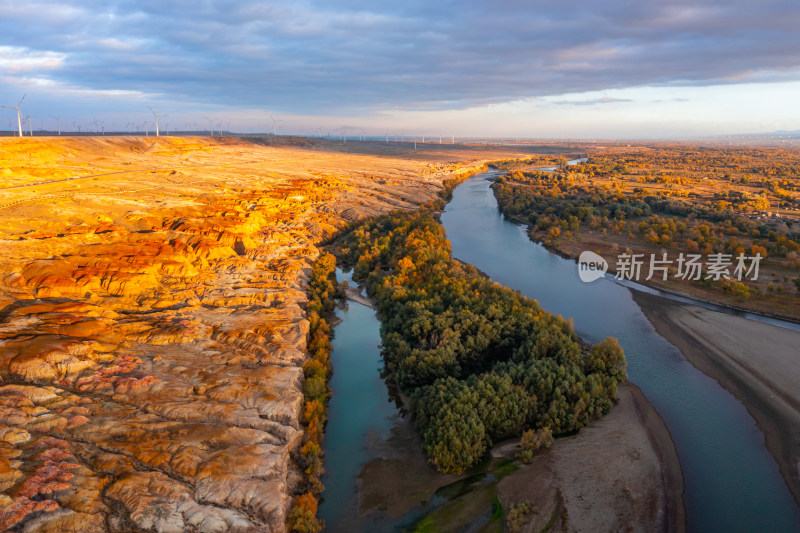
534 441
303 516
480 361
607 359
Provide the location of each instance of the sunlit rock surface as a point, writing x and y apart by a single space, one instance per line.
152 323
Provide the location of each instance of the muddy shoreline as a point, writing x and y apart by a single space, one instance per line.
622 472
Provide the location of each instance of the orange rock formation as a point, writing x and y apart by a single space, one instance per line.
152 322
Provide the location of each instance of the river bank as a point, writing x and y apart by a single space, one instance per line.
756 362
620 473
571 250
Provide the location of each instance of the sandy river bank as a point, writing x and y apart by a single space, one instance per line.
757 362
620 473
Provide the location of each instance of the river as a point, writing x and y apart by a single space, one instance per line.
732 482
359 410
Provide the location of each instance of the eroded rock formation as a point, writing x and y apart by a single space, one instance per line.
152 325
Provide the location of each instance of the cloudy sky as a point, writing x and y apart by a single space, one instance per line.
570 68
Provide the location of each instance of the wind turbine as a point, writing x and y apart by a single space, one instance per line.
19 113
210 125
274 122
58 123
146 133
155 115
29 122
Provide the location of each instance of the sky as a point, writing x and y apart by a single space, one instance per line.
506 68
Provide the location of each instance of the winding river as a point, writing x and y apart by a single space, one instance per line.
732 482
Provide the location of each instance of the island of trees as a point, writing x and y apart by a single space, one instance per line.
479 361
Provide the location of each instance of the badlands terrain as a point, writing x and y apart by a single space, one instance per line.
152 323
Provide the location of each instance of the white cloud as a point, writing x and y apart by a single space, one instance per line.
15 59
45 86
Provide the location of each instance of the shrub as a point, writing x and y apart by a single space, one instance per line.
518 514
533 442
303 516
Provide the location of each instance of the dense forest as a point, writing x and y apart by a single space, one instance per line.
480 362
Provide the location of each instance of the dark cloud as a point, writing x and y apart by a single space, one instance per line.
312 56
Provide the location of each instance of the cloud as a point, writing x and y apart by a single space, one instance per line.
668 100
309 56
594 101
15 59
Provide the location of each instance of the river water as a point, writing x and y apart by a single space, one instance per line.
732 482
359 410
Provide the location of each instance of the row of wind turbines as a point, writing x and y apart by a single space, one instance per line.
27 120
211 122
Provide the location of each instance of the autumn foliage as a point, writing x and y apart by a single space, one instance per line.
322 294
303 516
676 199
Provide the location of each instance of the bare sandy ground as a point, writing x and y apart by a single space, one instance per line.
620 473
757 362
